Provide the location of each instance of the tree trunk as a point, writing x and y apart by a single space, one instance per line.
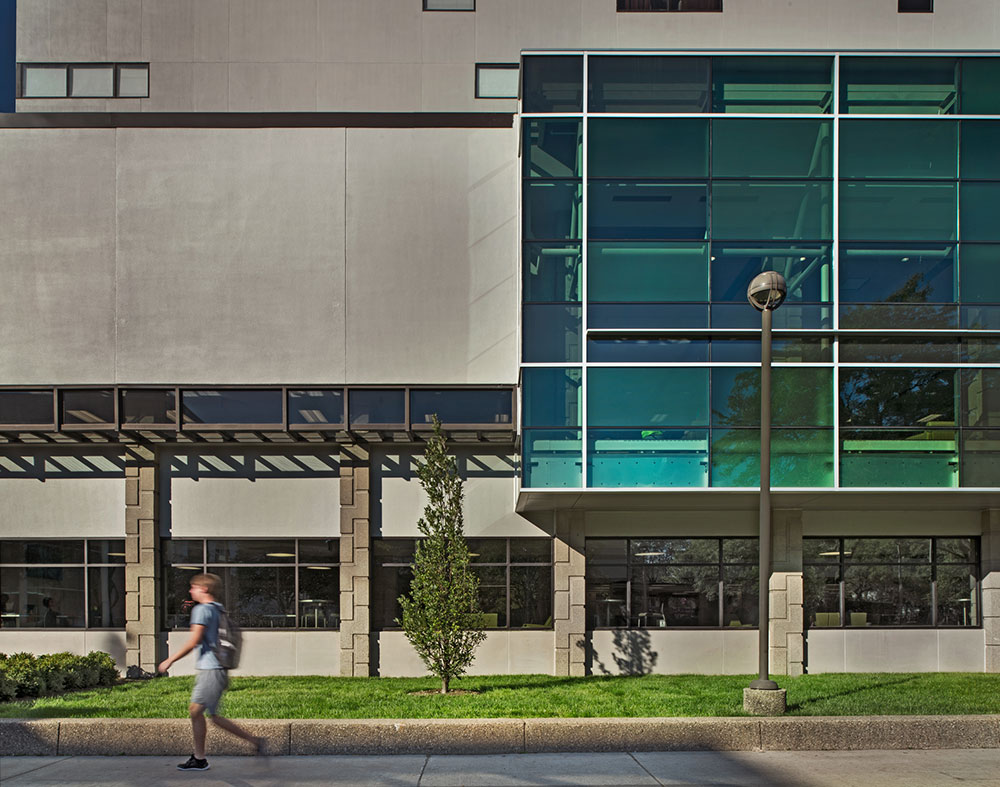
444 685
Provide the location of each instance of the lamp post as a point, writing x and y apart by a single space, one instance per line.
766 293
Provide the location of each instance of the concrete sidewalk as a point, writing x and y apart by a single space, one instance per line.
980 767
303 737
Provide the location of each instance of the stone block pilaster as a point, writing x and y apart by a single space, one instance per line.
143 639
355 550
991 587
786 627
569 613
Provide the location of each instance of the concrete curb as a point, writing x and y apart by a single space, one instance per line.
65 737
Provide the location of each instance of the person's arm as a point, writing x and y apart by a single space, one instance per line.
197 632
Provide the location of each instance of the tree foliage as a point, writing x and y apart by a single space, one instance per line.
440 612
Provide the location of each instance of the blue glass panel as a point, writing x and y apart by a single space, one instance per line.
980 317
899 315
641 210
789 349
648 83
647 315
654 397
552 272
806 269
551 397
644 458
898 149
898 458
27 407
231 407
644 272
552 210
762 210
790 315
911 273
898 396
552 83
551 333
649 350
461 406
376 406
898 211
980 211
319 407
552 458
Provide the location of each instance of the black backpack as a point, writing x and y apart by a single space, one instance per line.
228 642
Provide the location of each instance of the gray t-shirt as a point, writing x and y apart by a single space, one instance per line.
207 615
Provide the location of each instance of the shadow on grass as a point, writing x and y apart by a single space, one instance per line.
848 691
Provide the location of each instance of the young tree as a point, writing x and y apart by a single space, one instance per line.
440 612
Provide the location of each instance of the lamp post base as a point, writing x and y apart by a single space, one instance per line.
764 702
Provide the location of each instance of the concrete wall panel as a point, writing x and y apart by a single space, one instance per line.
168 30
385 31
63 508
205 216
125 30
274 653
502 653
273 31
368 87
273 87
707 652
888 523
79 642
56 315
899 650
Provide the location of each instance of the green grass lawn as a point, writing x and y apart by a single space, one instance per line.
525 696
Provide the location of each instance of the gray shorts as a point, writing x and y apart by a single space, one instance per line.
209 684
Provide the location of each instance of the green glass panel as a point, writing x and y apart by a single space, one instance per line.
550 397
980 458
799 457
898 149
552 83
980 398
772 84
552 210
648 83
772 148
898 397
644 272
900 349
898 85
771 211
806 269
901 458
647 148
552 272
645 458
979 280
898 211
552 458
981 149
551 333
552 147
647 397
980 219
647 210
980 86
799 396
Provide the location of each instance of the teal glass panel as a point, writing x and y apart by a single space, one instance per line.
646 350
898 85
980 219
552 458
980 398
979 281
644 272
647 397
799 457
648 83
645 210
552 272
552 83
806 269
647 315
980 93
783 85
980 458
771 211
772 148
981 149
921 211
551 333
644 458
552 210
898 396
898 149
898 458
900 349
799 396
551 397
647 148
552 147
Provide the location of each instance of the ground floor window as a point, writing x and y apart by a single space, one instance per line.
62 583
266 583
667 582
891 582
515 580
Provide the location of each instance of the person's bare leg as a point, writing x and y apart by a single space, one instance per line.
235 729
198 727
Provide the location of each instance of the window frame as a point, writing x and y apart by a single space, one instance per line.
515 67
928 9
678 10
449 10
67 69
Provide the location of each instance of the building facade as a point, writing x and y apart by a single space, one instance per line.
252 247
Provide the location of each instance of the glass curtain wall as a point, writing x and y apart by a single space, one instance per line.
656 186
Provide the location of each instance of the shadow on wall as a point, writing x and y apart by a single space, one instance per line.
110 643
46 465
251 465
471 464
632 654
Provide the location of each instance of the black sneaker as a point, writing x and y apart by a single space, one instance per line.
193 764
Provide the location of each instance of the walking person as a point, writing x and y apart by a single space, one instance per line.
212 678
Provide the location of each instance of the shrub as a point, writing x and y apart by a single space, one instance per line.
25 675
8 686
107 672
52 672
23 670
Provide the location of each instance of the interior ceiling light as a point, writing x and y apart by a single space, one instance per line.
280 554
318 568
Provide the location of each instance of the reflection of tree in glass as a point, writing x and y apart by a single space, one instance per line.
898 397
914 310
